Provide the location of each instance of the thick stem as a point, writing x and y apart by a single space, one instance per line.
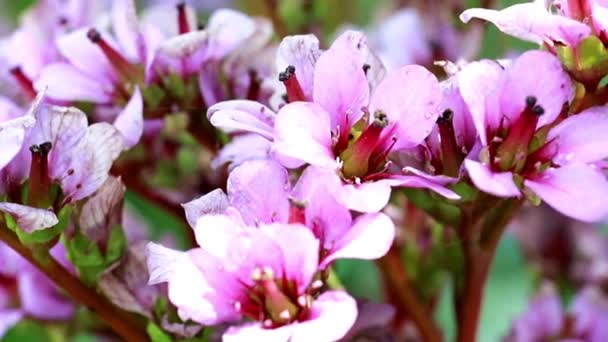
399 284
480 237
125 324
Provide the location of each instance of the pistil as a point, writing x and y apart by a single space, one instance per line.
292 85
24 82
39 181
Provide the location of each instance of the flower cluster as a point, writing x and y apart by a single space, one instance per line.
282 158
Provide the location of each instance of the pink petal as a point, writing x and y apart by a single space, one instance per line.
370 237
242 116
477 82
332 315
496 183
41 299
242 148
464 129
214 202
224 36
29 219
302 134
187 286
130 122
543 318
102 210
215 233
255 332
101 146
532 22
549 84
11 140
419 179
300 252
302 52
410 97
319 190
66 83
126 29
86 56
340 85
576 190
367 197
259 189
581 137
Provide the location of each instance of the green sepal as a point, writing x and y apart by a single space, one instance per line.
117 243
45 235
588 62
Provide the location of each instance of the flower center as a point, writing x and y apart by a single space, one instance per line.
511 154
366 151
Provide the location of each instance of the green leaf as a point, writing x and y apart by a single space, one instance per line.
360 277
156 334
27 331
45 235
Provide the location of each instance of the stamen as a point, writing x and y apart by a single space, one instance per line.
39 181
182 18
24 82
118 61
366 68
292 85
450 153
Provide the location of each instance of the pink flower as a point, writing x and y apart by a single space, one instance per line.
37 296
512 119
546 320
264 274
49 145
259 192
341 128
535 23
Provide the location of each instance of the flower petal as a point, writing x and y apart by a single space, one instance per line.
477 81
532 22
301 52
410 96
549 84
255 332
214 202
340 85
367 197
302 134
126 29
259 189
301 259
576 190
318 189
188 289
86 56
331 316
41 299
101 146
242 116
102 211
496 183
130 122
29 219
240 149
581 137
11 140
215 232
65 82
370 237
